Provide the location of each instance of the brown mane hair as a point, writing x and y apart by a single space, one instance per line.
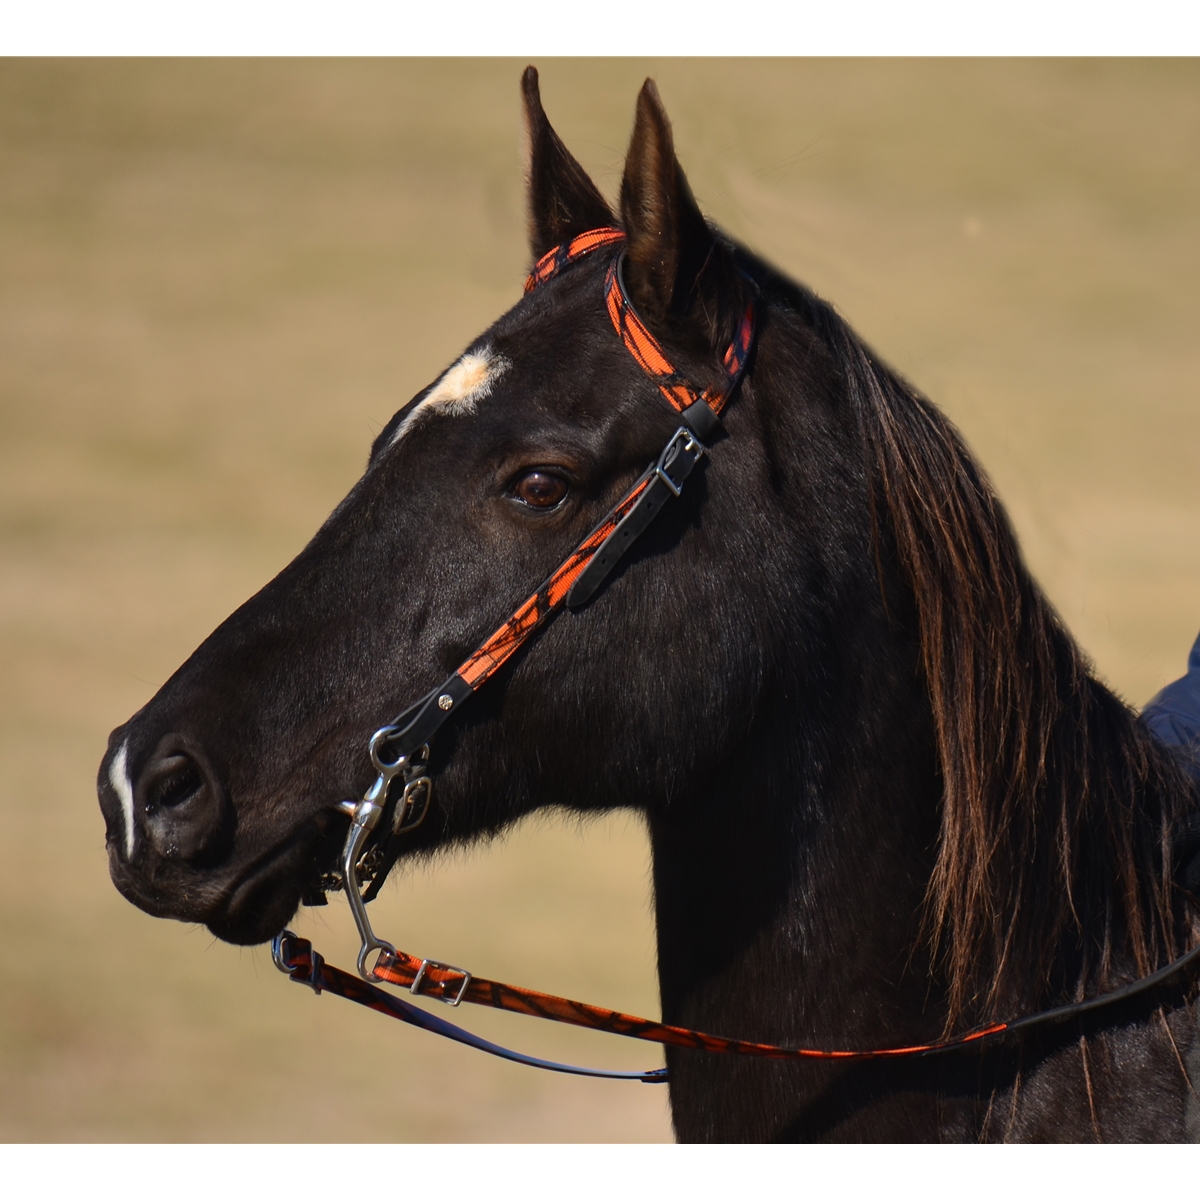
1053 872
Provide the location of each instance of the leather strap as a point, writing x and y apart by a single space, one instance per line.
418 724
578 576
553 261
296 957
663 480
649 355
452 985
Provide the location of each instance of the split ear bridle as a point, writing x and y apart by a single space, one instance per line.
401 750
398 799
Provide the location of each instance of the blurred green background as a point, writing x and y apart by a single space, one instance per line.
218 279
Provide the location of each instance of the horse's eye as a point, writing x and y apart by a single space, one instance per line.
540 489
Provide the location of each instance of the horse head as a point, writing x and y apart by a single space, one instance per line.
220 794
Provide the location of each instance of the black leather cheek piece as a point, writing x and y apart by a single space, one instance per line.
620 540
667 477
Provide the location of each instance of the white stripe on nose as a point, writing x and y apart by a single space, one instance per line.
118 776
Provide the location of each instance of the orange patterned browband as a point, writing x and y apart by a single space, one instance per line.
639 341
554 260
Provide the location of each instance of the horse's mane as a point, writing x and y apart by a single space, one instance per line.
1053 869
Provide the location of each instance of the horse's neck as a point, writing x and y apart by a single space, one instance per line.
789 888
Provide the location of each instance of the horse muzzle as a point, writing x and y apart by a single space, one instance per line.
170 803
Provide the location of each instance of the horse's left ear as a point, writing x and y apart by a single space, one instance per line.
669 241
563 201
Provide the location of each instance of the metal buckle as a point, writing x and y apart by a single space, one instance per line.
675 488
315 960
426 963
277 950
413 804
683 442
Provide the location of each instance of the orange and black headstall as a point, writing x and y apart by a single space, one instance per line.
576 579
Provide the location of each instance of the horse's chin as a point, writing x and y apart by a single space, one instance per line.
262 902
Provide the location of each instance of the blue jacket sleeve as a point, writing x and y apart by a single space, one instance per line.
1173 716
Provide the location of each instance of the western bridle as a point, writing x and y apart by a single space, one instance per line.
398 799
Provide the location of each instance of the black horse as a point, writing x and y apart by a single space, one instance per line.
887 798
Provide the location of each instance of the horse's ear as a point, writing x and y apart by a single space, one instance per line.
562 200
669 242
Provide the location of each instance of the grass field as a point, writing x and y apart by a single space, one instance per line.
217 282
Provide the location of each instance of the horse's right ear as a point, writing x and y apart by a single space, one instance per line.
562 201
670 245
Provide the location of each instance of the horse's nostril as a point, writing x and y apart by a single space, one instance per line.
181 780
181 803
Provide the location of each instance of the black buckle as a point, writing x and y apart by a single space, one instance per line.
683 442
667 477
